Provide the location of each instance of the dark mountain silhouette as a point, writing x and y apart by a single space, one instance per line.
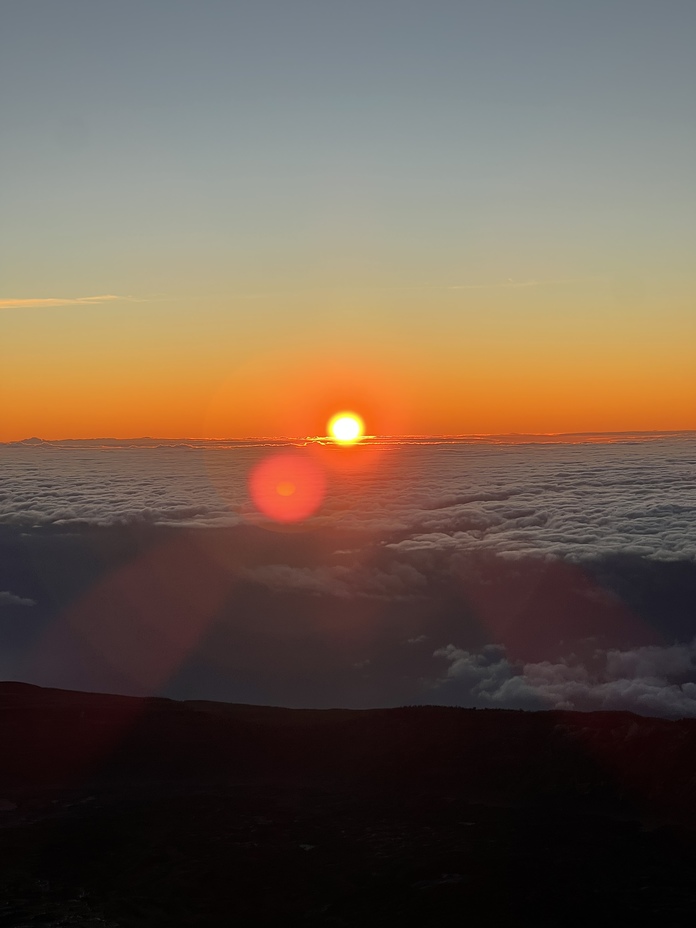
121 811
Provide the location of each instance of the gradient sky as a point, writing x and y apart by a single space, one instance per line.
230 218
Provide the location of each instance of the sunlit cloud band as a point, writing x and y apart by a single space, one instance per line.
50 301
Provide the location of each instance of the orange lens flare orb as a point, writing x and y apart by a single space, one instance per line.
287 487
346 428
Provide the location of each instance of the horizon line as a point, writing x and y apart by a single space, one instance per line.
365 439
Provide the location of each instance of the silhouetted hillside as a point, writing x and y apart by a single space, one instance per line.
150 812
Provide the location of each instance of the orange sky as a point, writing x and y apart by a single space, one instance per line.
96 387
229 220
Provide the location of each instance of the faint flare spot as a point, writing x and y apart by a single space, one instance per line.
287 487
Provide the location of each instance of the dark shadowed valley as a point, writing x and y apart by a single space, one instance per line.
117 811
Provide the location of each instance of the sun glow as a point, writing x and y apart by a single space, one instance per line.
287 487
346 427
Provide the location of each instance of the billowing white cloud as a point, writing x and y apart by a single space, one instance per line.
648 680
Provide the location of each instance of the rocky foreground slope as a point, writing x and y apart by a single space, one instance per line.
117 811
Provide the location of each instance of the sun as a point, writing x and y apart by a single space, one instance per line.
346 428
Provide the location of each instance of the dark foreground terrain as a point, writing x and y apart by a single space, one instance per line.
125 812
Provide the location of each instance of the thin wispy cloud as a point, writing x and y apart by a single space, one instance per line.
51 301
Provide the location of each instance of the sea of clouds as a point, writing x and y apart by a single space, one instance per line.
564 499
412 524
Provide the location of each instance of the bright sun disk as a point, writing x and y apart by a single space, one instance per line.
346 427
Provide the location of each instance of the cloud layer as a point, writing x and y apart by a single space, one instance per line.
511 575
566 500
649 680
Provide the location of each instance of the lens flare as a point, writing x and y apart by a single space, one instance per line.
346 427
287 487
